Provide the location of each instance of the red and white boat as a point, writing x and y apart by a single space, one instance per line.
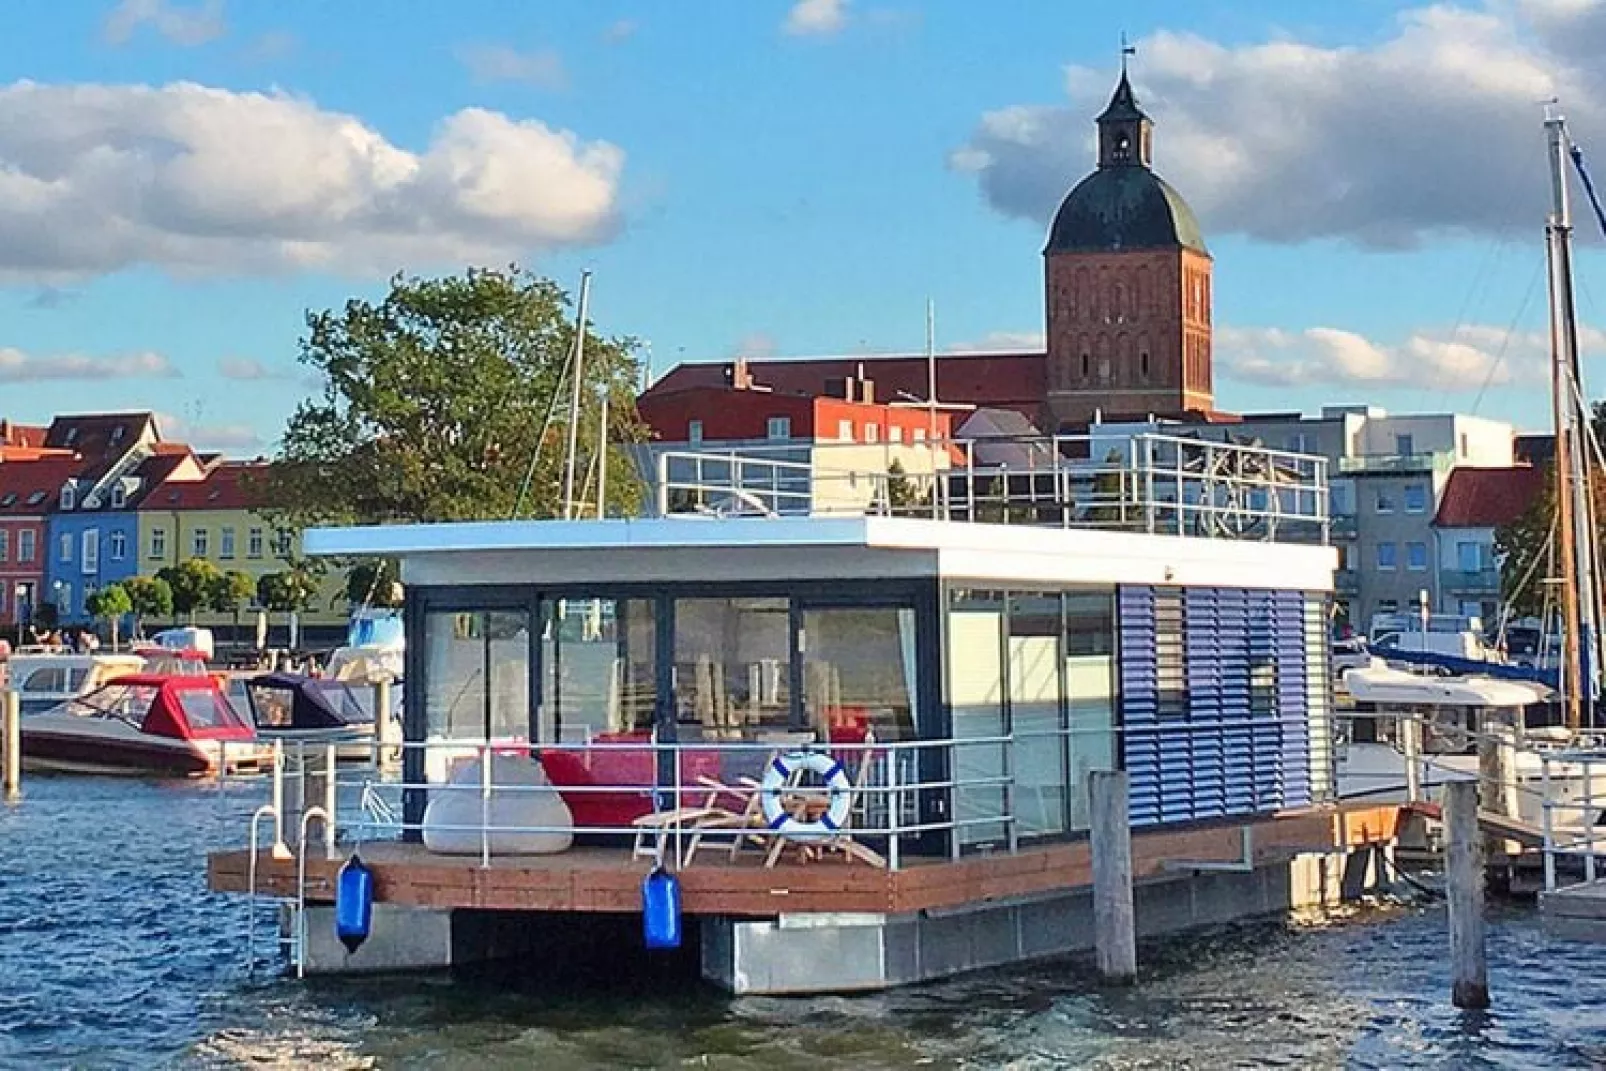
145 724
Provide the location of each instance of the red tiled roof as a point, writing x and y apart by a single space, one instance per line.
98 436
1487 498
995 380
30 488
22 435
232 485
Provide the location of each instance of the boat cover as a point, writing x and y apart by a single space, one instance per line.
291 702
1380 684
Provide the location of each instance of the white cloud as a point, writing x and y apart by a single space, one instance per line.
1433 128
188 26
755 344
17 366
541 67
249 369
1464 361
816 17
620 31
95 178
209 438
1002 342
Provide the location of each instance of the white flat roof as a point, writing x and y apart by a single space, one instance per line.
786 548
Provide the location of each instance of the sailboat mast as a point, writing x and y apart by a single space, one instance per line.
1573 513
576 396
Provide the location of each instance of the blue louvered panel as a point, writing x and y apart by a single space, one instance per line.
1264 731
1174 721
1293 699
1139 703
1205 625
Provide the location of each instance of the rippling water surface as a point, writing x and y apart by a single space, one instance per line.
112 954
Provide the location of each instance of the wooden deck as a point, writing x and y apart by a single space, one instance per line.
609 880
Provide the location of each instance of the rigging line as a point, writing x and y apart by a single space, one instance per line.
546 426
1505 343
1496 246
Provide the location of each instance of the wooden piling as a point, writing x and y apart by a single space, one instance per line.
1469 969
11 730
1114 921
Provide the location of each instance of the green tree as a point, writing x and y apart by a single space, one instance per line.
149 597
110 604
906 497
435 401
1524 548
376 582
289 592
230 591
193 583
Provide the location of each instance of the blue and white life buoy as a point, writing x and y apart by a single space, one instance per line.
777 782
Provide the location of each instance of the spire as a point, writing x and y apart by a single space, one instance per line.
1125 131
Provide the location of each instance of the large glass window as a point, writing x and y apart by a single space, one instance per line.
733 669
1034 705
976 699
598 658
477 675
1089 653
859 672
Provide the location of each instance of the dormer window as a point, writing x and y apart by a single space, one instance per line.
8 499
69 497
119 496
36 498
71 436
117 435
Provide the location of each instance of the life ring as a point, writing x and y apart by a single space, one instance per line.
777 781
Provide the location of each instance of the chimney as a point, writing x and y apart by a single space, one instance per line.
866 390
738 376
842 387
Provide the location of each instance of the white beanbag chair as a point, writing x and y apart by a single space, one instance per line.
454 816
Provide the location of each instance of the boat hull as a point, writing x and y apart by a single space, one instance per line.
101 747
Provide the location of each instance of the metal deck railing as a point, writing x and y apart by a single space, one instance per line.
1154 483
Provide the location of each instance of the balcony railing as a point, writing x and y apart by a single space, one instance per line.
1145 483
1397 463
1347 581
1480 581
1344 525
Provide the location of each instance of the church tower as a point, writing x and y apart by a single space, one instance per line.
1127 277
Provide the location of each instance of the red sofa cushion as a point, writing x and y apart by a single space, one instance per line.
616 768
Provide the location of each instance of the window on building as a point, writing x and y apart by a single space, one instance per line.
64 599
694 431
65 547
69 497
895 434
1086 363
158 543
225 539
1386 556
119 496
920 435
116 546
1416 556
872 433
778 427
200 542
1416 498
844 431
25 545
282 542
90 558
1404 445
1341 498
1143 364
1468 556
1385 501
1388 606
253 543
5 544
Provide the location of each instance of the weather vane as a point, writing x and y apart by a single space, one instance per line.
1126 50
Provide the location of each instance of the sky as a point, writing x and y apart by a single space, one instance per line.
182 180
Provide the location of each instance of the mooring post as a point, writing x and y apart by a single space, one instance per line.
1469 969
1114 922
11 716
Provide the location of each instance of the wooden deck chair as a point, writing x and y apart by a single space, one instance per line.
653 828
743 823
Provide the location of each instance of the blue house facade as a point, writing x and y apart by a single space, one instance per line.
88 551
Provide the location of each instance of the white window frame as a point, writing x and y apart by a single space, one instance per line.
1394 554
65 546
225 542
158 544
694 431
89 551
1378 500
253 543
844 431
1405 498
119 497
778 428
69 497
200 542
116 546
1411 564
5 544
27 545
872 433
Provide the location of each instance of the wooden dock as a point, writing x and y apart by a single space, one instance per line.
603 880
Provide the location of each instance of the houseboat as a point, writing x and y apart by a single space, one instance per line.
859 731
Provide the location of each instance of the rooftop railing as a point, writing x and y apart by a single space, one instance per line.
1145 483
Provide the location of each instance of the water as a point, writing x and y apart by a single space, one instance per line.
113 955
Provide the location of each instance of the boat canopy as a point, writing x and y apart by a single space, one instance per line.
1380 684
290 702
180 708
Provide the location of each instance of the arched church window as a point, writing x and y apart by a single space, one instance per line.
1086 362
1143 365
